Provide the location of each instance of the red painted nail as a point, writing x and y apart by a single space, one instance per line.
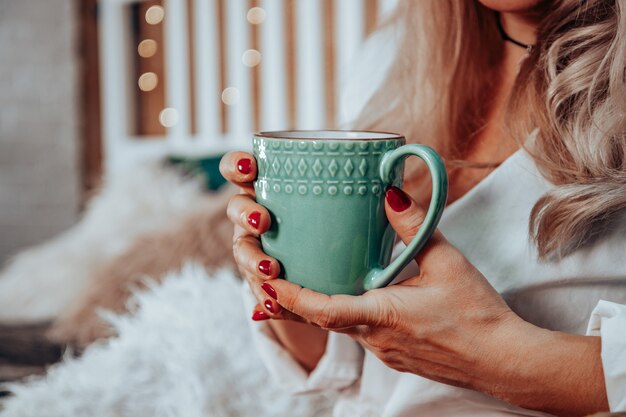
265 267
259 316
268 304
397 199
254 219
244 166
269 290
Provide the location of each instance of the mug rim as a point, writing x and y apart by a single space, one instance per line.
359 135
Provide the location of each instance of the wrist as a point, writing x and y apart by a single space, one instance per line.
305 342
501 354
545 370
512 366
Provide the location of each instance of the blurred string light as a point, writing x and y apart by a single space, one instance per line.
256 15
155 15
148 81
251 58
230 96
168 117
147 48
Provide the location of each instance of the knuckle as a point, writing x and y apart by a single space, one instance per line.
291 303
230 208
383 314
373 341
327 318
234 209
253 284
394 363
414 222
237 247
391 318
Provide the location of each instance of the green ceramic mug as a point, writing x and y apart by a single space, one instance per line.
325 193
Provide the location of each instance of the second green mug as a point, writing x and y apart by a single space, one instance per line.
325 193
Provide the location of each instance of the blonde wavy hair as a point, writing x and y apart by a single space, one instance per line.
570 89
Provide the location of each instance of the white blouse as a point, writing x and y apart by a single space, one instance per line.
584 293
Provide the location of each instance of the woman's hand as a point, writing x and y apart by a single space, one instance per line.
431 322
306 343
449 324
250 220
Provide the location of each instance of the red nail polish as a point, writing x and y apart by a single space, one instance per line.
254 219
244 166
268 304
259 316
269 290
397 199
265 267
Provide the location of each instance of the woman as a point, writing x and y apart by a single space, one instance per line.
493 322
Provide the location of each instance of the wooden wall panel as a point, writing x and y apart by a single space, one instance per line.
89 96
148 104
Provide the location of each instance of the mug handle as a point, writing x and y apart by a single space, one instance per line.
378 278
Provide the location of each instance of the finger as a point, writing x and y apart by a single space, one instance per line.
327 311
245 212
240 169
406 218
264 295
249 256
266 304
239 232
259 313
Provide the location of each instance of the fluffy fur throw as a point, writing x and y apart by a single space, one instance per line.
186 351
147 220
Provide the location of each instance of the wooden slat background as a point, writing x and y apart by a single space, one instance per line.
294 97
149 104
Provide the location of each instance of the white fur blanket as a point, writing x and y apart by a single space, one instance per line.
184 352
40 282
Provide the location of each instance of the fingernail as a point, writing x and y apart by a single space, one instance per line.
244 166
260 316
268 304
254 219
397 199
269 290
265 267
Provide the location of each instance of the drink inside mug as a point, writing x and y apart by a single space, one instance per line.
325 192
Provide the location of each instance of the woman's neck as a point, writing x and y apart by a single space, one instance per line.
491 144
521 27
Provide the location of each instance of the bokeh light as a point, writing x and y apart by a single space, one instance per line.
230 96
256 15
251 58
155 15
147 48
168 117
148 81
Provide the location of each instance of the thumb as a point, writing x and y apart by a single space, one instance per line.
327 311
406 218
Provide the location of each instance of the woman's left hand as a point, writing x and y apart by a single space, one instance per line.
439 324
450 325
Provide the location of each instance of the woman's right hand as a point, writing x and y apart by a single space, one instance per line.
305 342
251 220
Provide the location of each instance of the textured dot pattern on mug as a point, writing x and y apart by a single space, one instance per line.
304 167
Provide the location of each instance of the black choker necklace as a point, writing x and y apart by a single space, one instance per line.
506 37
